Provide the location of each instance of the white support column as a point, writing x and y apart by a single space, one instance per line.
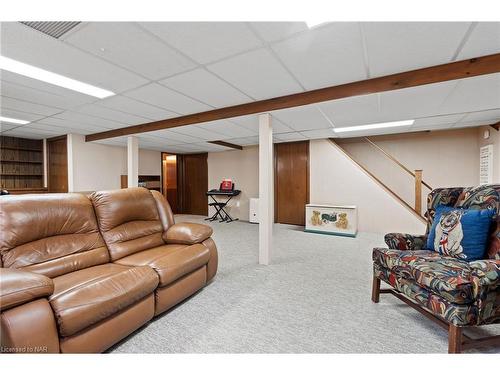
132 161
266 188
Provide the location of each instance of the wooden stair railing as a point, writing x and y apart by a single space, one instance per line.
417 175
414 210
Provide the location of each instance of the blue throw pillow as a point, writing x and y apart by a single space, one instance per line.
460 233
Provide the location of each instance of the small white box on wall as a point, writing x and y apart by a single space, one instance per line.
253 216
332 219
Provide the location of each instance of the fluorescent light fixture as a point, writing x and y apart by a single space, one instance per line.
311 24
379 125
31 71
13 120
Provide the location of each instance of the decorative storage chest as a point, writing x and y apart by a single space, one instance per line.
331 219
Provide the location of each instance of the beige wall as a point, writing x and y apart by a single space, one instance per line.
339 181
494 140
447 158
243 168
93 166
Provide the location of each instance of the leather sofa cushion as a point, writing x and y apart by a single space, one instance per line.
18 287
170 261
51 234
128 220
85 297
448 277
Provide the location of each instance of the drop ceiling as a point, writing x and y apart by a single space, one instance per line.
164 70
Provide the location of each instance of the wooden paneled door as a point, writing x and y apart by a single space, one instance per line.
57 165
192 184
291 182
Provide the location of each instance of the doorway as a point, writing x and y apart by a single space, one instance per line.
169 180
291 182
185 182
57 165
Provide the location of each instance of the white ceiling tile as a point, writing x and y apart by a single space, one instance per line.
67 98
289 137
487 117
325 56
128 105
88 120
23 106
54 129
251 122
258 74
111 114
358 110
474 94
410 103
226 129
484 40
438 120
198 132
303 118
431 126
245 141
207 88
319 133
395 47
126 44
22 43
27 131
166 98
272 31
373 132
205 41
76 126
20 115
172 136
209 147
4 126
40 97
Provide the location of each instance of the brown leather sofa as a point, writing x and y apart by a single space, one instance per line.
78 273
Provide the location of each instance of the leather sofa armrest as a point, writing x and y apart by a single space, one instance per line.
19 287
187 233
403 241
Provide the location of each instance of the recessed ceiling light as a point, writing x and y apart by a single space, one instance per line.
311 24
379 125
13 120
27 70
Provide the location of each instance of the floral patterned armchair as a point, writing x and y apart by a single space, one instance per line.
455 292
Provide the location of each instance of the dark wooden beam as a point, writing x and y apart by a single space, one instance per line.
227 144
496 126
435 74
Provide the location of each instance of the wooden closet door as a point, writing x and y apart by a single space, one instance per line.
57 160
291 182
193 177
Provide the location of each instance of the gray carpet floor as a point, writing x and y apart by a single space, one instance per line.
313 298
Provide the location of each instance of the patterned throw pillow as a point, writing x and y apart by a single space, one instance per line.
460 233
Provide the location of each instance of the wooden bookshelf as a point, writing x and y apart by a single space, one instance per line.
151 182
21 164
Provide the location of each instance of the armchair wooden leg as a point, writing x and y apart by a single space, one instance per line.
454 339
376 289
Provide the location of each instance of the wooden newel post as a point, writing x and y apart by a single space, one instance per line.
418 191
